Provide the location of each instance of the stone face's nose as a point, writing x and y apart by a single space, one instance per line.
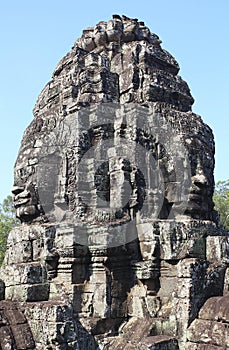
200 180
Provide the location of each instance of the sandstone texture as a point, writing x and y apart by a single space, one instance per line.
119 245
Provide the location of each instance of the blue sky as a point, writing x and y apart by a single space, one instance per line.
35 35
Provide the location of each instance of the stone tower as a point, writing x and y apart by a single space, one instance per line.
119 246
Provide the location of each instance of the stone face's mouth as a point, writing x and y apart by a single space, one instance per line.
22 196
199 190
20 201
196 196
25 203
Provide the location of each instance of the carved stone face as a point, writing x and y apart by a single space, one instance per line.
200 205
100 35
48 177
25 185
87 42
114 30
129 30
84 179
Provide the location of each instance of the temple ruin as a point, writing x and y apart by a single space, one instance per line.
119 245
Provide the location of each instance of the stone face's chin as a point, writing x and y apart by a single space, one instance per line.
200 198
198 202
26 213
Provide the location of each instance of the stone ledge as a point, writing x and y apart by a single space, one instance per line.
160 342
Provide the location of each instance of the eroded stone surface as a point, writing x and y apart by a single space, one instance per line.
211 327
15 332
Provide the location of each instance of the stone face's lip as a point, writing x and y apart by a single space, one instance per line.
21 201
17 189
196 197
23 197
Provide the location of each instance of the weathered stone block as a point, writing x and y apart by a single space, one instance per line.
180 240
163 326
146 270
6 340
37 245
82 302
216 309
168 269
168 287
208 332
24 274
159 343
194 346
48 311
15 316
136 307
20 253
226 283
188 268
153 305
146 232
149 249
217 249
53 322
25 292
23 337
